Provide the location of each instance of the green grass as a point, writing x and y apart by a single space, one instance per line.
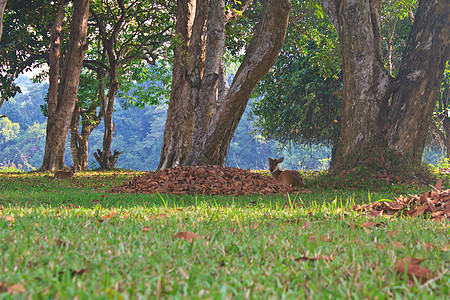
66 239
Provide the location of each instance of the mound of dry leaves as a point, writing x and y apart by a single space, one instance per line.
204 180
434 205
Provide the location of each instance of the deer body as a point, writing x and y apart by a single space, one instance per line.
288 177
65 174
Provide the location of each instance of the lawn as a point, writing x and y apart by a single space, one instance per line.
73 239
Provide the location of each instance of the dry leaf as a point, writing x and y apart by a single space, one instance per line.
158 216
413 269
111 215
209 180
439 184
145 229
372 224
16 289
9 219
254 225
185 235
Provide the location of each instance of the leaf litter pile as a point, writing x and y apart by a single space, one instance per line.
434 205
204 180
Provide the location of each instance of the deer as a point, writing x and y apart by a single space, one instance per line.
288 177
65 174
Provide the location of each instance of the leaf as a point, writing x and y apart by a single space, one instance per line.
111 215
411 266
9 219
372 224
439 184
185 235
158 216
145 229
16 289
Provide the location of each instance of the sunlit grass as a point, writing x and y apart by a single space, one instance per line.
72 238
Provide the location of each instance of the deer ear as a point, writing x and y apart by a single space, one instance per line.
281 159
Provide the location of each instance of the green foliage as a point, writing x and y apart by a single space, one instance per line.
25 40
396 25
145 85
8 130
297 101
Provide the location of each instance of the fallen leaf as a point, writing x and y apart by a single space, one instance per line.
9 219
413 269
145 229
439 184
111 215
254 225
16 289
372 224
158 216
185 235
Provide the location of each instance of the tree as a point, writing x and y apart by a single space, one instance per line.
203 112
129 31
380 112
2 10
26 45
90 96
298 100
63 97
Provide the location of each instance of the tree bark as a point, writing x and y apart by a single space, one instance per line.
105 158
262 52
2 10
206 95
58 121
380 113
180 115
419 79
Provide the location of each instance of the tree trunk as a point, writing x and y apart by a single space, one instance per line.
180 115
262 52
365 80
379 113
59 113
79 142
2 10
419 79
205 96
104 157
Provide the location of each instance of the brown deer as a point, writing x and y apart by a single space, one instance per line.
65 174
288 177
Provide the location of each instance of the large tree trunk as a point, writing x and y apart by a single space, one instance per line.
2 10
180 115
365 80
206 94
203 111
419 79
378 112
59 116
262 52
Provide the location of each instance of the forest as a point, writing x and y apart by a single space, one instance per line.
139 133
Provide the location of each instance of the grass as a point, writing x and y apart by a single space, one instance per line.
71 238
